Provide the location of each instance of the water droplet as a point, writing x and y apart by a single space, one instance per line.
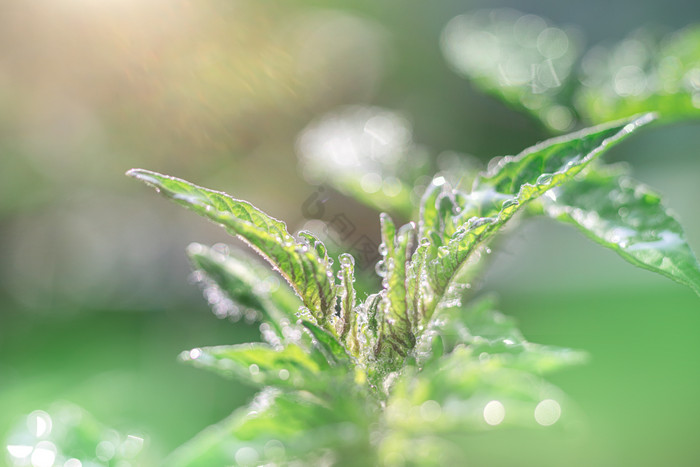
544 179
380 268
195 353
254 369
346 260
284 374
509 203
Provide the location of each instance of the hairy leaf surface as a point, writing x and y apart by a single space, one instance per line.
246 284
261 364
515 181
309 275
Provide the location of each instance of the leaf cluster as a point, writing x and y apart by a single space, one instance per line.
404 372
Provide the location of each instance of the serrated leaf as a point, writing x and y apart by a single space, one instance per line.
309 275
261 364
397 335
620 213
332 350
643 73
246 284
513 182
346 296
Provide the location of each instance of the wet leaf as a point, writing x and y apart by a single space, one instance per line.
261 364
621 213
397 331
309 275
332 350
513 182
246 284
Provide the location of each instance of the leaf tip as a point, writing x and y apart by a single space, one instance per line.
146 176
644 119
195 249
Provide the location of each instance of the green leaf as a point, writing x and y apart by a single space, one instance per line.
261 364
620 213
348 314
397 335
643 73
332 350
310 275
487 332
512 183
278 428
245 283
464 392
521 59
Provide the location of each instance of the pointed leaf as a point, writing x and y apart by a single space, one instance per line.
620 213
333 351
348 316
397 330
309 275
246 284
513 182
261 364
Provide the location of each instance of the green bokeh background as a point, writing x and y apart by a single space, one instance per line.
94 298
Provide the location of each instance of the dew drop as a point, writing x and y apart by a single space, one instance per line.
544 179
380 268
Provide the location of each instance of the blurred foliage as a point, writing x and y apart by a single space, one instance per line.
67 435
538 68
642 73
520 58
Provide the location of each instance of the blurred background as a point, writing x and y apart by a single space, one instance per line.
95 301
